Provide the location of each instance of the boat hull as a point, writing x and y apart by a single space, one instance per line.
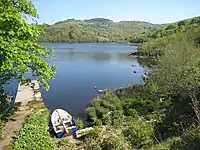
59 134
63 124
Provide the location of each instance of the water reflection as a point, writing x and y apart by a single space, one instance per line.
88 56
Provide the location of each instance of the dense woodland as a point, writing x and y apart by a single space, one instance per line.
166 29
161 114
93 30
154 40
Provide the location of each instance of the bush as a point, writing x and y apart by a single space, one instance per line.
111 143
139 134
34 134
96 103
101 112
132 112
117 118
63 142
191 139
93 144
94 133
5 110
98 123
108 139
91 113
169 144
79 123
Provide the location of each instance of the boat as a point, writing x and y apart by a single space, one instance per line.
100 91
63 123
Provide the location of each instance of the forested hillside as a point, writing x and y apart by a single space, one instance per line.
93 30
155 40
166 29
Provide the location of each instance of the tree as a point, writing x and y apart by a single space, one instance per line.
171 26
178 68
195 20
184 22
71 32
19 51
157 35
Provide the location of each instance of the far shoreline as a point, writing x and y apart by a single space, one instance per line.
113 43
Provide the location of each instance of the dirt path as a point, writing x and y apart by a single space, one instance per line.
13 126
25 95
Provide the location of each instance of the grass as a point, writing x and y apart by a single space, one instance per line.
2 123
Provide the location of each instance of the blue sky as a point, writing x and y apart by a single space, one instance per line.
154 11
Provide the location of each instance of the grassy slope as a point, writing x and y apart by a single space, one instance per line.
34 134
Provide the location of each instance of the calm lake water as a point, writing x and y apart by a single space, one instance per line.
80 67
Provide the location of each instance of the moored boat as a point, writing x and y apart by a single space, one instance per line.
100 91
63 123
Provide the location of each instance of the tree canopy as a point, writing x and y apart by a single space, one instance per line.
165 30
20 52
154 41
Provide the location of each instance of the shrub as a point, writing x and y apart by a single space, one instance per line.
191 139
79 123
34 134
96 103
117 118
63 142
93 144
139 134
101 112
109 139
111 143
98 123
132 112
91 113
169 144
95 133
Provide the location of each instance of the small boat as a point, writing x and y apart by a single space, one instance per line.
100 91
63 123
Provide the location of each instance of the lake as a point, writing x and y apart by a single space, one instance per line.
80 67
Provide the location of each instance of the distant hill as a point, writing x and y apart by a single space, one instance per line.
93 30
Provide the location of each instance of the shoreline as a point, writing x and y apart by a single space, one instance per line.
113 43
137 56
